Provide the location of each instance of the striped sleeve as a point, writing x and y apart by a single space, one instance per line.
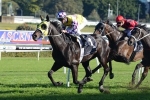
73 29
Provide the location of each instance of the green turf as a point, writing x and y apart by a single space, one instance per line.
8 26
26 79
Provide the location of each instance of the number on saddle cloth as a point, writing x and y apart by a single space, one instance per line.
88 43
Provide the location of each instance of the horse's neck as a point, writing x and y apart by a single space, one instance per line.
145 39
115 36
57 41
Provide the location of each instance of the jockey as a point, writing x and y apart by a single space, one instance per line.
128 25
73 23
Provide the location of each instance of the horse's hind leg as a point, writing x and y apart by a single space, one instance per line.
138 66
54 68
144 74
111 75
88 72
95 69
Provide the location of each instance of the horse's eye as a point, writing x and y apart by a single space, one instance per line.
43 26
101 28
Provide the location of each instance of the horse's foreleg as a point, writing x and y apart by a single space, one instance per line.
54 68
87 77
138 66
74 70
106 70
144 74
101 88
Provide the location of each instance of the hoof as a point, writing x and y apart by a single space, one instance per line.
101 90
58 84
111 76
89 79
79 90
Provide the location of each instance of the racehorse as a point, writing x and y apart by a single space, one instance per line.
68 54
117 42
120 50
137 34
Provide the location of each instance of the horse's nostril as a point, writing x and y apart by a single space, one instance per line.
34 36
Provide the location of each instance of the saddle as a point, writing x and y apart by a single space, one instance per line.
85 41
88 43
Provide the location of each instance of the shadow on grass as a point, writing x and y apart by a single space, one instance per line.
55 94
27 85
97 96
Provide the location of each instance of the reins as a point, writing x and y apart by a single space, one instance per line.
138 39
109 32
49 32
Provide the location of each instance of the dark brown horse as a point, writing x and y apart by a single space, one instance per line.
68 54
137 34
117 42
120 50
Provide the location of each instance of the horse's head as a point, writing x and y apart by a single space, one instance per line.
47 28
104 28
101 28
108 29
42 29
137 34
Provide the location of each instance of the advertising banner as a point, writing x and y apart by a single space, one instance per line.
19 37
21 40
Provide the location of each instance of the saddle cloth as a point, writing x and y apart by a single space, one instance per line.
89 45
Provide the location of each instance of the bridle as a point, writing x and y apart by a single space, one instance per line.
102 31
50 31
138 38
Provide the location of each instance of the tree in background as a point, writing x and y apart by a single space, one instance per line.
89 6
28 6
127 8
70 6
94 15
5 7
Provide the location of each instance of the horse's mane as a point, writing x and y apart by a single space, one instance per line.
57 25
116 28
143 27
112 25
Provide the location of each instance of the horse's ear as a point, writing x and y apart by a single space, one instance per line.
104 22
100 21
47 18
107 21
41 18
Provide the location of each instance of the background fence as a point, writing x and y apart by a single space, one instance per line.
21 41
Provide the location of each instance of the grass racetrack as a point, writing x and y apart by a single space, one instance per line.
26 79
23 78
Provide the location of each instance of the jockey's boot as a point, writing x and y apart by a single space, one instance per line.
83 40
140 46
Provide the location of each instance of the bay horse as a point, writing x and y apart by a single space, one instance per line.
68 54
137 34
120 50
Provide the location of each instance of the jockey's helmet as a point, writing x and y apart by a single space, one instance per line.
119 18
61 15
